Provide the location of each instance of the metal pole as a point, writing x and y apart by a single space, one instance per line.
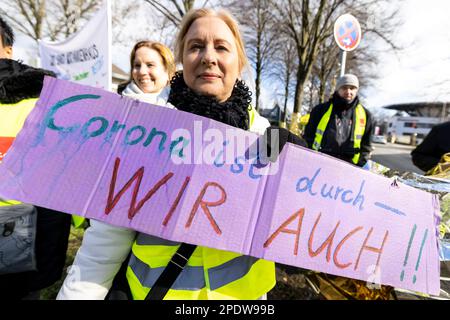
343 59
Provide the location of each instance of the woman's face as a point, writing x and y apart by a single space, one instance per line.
149 72
210 58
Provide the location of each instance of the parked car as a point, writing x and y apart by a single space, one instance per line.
379 139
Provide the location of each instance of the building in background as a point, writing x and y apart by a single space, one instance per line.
413 121
118 76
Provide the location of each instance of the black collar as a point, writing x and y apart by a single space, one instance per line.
343 104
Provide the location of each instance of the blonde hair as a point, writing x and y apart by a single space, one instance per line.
166 57
226 17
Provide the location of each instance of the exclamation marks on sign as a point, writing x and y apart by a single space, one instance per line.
420 253
405 262
402 275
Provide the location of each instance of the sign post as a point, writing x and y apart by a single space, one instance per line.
347 34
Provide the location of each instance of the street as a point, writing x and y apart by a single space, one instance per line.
395 156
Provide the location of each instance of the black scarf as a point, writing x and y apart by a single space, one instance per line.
233 112
342 104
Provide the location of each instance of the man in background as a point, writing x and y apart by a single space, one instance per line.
342 127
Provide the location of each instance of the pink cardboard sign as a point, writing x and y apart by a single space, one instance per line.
94 153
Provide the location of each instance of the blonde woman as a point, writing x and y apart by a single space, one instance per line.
210 48
152 66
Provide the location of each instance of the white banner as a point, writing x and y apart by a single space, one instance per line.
85 57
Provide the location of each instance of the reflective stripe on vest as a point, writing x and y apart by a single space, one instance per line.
359 119
230 271
191 278
209 274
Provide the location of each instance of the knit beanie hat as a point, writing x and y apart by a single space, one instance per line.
347 80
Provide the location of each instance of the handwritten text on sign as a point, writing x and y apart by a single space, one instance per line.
86 151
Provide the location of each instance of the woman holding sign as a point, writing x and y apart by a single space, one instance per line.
210 47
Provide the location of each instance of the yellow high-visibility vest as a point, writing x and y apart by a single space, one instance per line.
12 118
358 129
210 274
252 115
78 221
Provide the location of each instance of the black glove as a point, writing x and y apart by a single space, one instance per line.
273 136
280 135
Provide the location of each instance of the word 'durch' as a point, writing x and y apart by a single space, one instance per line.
328 191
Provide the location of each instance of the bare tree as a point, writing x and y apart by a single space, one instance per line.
35 19
283 70
126 32
173 10
377 23
27 16
122 14
310 25
261 38
166 15
68 16
307 23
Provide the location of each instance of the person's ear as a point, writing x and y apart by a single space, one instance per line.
9 52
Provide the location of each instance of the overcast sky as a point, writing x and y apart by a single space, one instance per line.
421 72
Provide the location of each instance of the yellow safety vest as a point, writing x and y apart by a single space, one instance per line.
78 222
252 113
358 129
12 118
210 274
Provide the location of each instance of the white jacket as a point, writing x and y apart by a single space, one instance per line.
160 98
103 250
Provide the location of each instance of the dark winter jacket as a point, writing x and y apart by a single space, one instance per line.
337 140
433 147
17 82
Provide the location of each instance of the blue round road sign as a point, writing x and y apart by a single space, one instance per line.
347 32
